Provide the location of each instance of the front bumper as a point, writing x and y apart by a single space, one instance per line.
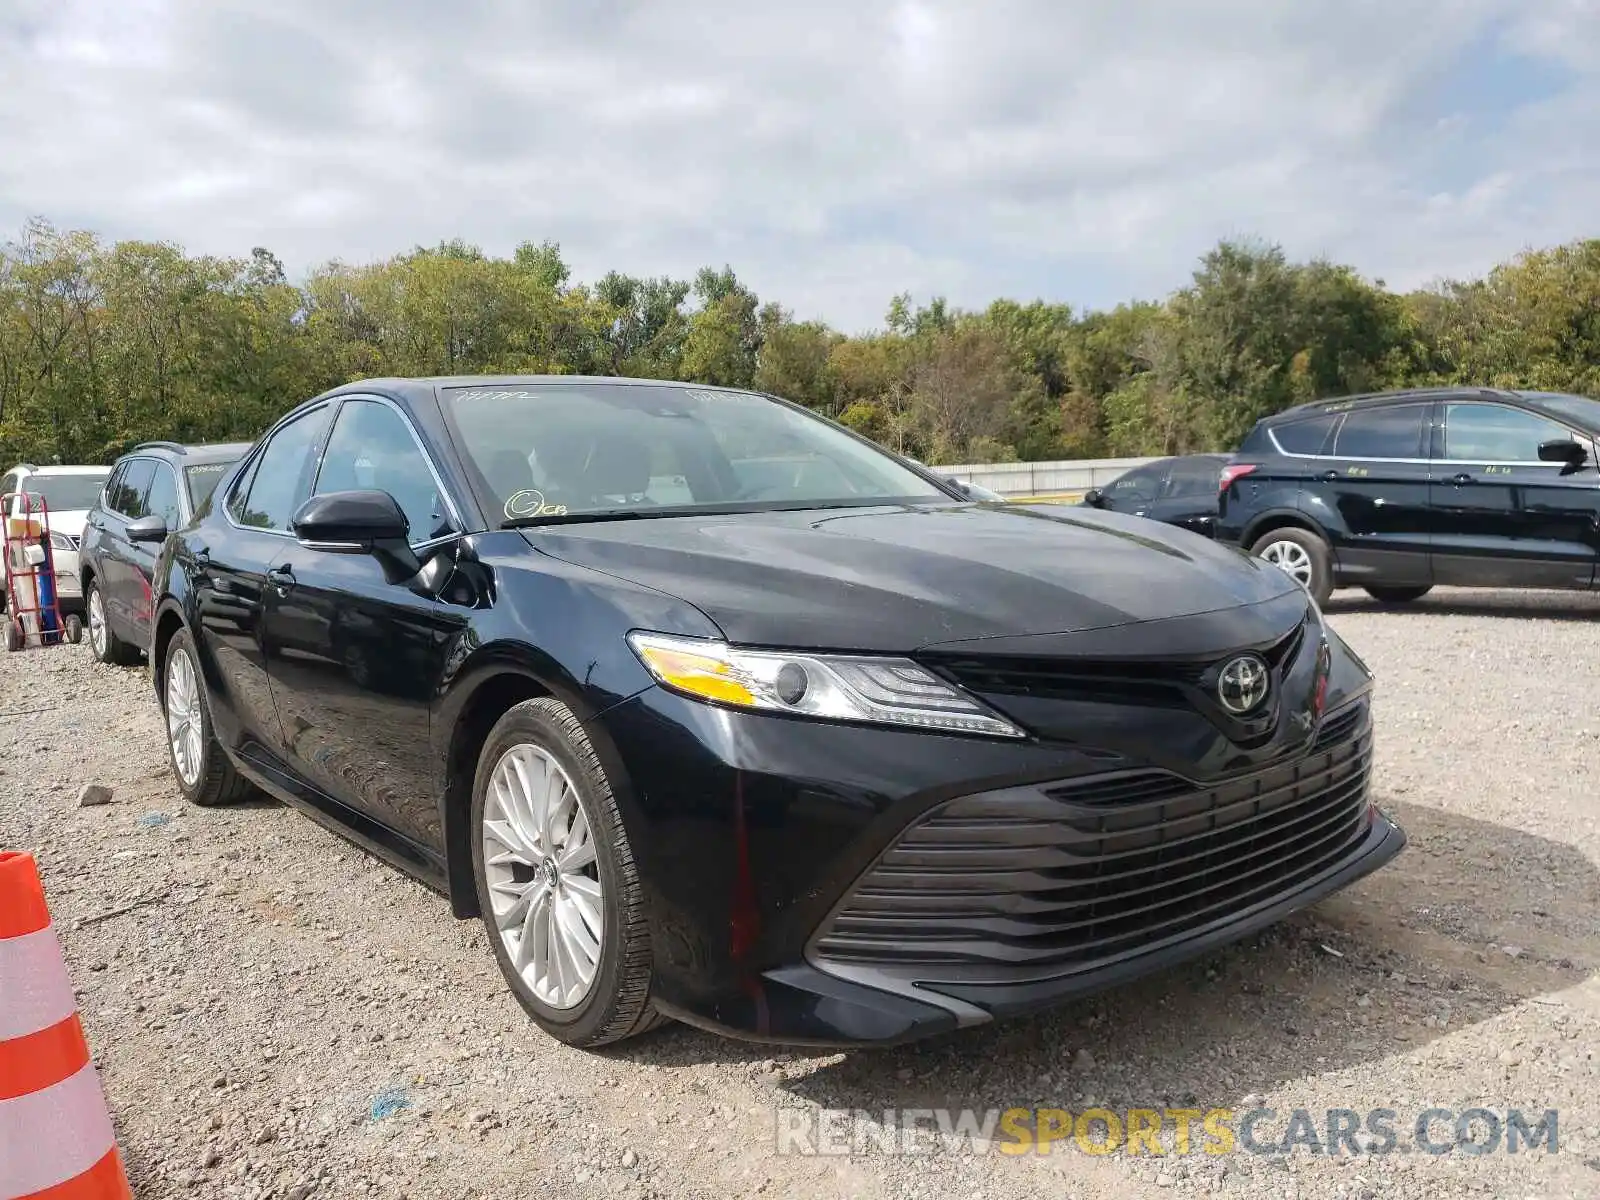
806 1005
761 840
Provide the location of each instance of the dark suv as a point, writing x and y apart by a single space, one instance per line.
1398 491
155 488
1178 491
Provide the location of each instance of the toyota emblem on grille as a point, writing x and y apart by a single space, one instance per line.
1242 683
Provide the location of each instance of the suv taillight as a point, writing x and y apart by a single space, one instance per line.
1233 471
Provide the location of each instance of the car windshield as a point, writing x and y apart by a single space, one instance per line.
202 480
558 450
1580 410
63 493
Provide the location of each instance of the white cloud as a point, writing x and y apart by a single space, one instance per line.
834 153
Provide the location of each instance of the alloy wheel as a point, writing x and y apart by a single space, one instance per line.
97 622
1290 557
543 876
184 718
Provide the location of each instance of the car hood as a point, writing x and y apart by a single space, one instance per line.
896 579
69 521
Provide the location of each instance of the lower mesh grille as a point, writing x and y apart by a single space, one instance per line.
1034 881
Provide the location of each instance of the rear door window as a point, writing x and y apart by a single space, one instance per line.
281 475
1382 433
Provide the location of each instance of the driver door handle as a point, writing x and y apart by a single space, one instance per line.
282 579
1460 478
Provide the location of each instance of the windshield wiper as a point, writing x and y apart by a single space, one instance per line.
630 514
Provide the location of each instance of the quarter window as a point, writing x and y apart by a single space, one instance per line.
279 476
372 449
1381 433
1304 437
1495 433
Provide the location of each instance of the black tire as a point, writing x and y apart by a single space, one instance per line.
114 652
217 782
1398 595
618 1003
1320 558
73 628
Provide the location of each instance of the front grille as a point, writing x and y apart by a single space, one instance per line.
1163 683
1033 882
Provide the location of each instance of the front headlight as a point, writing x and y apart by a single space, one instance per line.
885 691
60 541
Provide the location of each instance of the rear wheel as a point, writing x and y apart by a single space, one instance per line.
556 881
204 772
1303 555
1398 595
107 646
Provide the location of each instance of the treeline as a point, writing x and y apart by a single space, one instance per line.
105 345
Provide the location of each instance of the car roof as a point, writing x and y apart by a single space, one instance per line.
1339 404
204 452
423 384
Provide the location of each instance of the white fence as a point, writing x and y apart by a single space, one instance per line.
1044 478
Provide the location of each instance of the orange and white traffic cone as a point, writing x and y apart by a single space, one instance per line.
56 1141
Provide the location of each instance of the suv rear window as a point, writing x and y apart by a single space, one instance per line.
1382 433
1304 437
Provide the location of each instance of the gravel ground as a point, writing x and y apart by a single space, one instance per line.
277 1015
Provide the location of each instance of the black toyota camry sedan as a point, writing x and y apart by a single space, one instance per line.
715 711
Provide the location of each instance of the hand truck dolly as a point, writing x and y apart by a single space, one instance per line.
30 574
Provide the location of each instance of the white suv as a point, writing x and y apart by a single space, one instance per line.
69 492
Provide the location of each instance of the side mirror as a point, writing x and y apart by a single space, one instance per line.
359 522
1094 497
148 529
1563 450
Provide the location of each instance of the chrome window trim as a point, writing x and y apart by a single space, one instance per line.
1576 435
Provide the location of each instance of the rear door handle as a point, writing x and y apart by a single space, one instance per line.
1329 476
1460 479
282 578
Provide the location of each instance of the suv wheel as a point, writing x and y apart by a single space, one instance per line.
556 881
204 773
1398 595
1303 555
107 646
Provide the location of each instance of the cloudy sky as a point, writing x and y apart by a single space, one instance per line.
834 152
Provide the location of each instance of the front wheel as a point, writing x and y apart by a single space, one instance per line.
204 772
556 881
1398 595
1303 555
